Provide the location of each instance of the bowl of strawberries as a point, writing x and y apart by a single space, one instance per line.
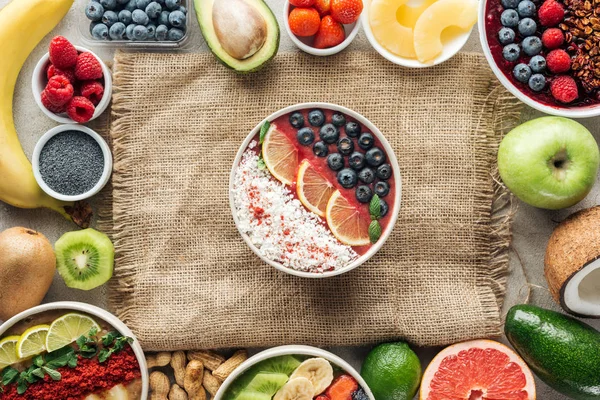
322 27
70 83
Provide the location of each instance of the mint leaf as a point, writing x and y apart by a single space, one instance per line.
375 208
109 338
261 164
59 358
55 375
22 387
72 363
38 361
103 355
93 332
263 132
9 375
38 372
374 231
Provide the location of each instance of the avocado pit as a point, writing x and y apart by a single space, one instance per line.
239 27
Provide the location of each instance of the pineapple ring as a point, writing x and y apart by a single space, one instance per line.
392 35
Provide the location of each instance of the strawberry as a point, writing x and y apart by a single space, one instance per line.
342 388
346 11
304 21
323 7
330 34
302 3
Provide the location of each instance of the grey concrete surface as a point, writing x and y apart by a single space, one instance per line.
532 227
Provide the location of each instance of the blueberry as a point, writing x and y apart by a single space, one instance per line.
108 4
382 188
140 32
509 18
383 207
345 146
117 31
183 9
356 161
93 25
130 6
109 18
305 136
366 175
140 17
526 8
527 27
338 120
347 178
522 72
172 4
320 149
365 141
142 4
537 63
510 3
328 133
100 32
335 161
537 82
125 17
174 34
129 31
352 129
297 120
151 31
122 2
177 19
511 52
94 11
161 2
360 395
161 32
375 157
506 36
315 117
153 10
364 194
163 18
532 45
384 171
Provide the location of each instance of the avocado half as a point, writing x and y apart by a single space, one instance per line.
242 34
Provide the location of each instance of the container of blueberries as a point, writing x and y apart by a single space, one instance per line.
141 24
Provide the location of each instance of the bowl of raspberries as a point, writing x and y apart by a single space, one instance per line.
70 83
545 52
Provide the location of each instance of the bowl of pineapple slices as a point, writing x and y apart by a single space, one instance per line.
419 33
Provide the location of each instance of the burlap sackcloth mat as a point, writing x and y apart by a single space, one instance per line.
185 279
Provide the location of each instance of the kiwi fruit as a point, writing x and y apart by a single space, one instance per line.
252 395
85 258
281 364
267 382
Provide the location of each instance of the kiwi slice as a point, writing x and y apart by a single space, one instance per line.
267 382
252 395
85 258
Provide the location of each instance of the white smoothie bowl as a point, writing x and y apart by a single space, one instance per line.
70 306
393 206
292 350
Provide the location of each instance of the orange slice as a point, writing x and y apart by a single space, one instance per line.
280 155
313 189
345 222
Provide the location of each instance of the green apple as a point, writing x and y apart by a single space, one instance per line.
549 162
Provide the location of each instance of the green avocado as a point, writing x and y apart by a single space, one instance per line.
562 351
242 34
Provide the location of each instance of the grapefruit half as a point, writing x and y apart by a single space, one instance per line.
477 370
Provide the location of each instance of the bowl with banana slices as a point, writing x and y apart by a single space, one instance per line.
294 373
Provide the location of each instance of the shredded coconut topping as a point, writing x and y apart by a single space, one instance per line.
279 225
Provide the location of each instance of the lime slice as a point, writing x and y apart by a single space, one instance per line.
32 342
8 351
67 329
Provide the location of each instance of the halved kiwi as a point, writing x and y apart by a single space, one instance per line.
84 259
267 382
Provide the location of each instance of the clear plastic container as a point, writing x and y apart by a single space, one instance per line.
88 39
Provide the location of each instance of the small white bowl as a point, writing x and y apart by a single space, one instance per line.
96 312
304 43
450 48
292 350
394 209
108 162
574 112
39 81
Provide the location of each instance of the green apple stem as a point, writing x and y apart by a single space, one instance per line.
559 164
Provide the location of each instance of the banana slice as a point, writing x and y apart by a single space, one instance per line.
296 389
318 371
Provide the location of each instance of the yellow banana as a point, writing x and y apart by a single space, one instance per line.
23 24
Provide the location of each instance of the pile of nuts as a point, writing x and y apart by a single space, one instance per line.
196 372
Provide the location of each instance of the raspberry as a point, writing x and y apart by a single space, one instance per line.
80 109
553 38
551 13
558 61
302 3
67 73
564 89
88 67
93 91
59 90
62 53
304 21
51 107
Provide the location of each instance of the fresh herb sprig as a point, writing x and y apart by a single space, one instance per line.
113 343
375 226
261 138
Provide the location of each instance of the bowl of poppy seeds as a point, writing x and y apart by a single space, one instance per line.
71 162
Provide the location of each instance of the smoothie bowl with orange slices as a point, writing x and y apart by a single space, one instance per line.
315 190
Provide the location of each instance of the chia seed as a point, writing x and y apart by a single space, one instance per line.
71 163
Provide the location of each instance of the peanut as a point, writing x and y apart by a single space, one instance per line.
159 385
194 373
178 363
210 383
211 360
228 366
161 359
177 393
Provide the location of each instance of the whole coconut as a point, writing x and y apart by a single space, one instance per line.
27 266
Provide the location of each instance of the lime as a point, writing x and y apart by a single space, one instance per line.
32 342
67 329
8 351
392 371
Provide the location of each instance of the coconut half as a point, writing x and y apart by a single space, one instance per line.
572 263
